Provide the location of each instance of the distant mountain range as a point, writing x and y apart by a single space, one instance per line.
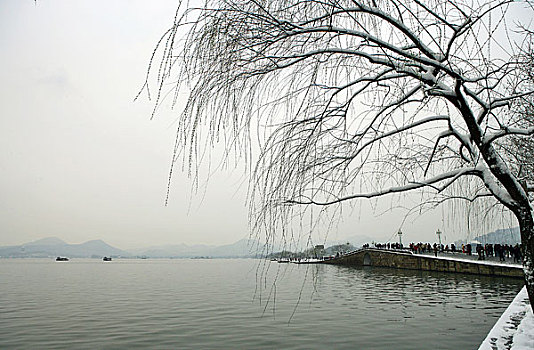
53 247
239 249
244 248
500 236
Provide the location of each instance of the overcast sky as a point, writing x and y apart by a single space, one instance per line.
80 160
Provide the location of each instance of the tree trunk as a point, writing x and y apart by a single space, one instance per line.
526 225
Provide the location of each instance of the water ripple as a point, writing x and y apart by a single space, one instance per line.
217 304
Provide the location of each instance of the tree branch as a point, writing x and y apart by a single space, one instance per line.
508 132
409 187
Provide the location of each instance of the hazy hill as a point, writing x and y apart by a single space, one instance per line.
501 236
52 246
241 248
93 248
174 250
46 242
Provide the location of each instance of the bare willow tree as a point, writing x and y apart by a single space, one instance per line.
520 150
356 99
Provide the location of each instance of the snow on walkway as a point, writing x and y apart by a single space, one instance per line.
472 260
515 328
448 256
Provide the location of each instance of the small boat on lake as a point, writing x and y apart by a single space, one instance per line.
106 258
60 258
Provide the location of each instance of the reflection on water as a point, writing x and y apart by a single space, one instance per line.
225 304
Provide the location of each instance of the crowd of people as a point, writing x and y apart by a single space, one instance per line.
502 251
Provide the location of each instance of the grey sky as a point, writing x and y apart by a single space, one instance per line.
80 160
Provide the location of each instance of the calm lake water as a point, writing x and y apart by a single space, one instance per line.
234 304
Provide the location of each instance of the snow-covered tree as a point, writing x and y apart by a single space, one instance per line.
356 99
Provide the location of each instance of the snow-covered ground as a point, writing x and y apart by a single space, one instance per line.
515 329
473 259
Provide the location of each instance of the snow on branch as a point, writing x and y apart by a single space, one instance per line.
509 132
408 187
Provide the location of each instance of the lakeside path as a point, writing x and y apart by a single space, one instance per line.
515 328
493 260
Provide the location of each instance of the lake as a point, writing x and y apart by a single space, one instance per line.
241 304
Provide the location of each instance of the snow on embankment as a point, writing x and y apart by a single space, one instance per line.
515 329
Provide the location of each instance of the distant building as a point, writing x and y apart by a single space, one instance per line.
318 251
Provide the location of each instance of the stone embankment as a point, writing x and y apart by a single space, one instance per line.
402 259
